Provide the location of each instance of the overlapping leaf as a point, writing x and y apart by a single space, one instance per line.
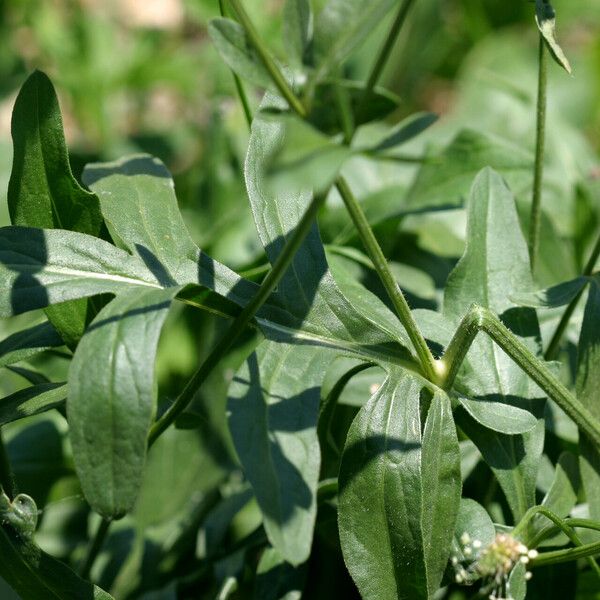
494 266
399 492
42 191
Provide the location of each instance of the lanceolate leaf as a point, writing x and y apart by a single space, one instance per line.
28 342
32 401
588 384
341 26
405 131
35 575
273 407
499 416
42 191
545 17
235 49
399 492
494 266
41 267
445 180
110 412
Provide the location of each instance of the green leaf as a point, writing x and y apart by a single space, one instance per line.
494 266
340 27
273 407
112 397
233 45
32 401
562 495
446 178
545 17
588 384
405 130
517 583
498 416
42 191
276 579
297 29
35 575
308 291
473 520
137 196
28 342
552 297
399 492
40 267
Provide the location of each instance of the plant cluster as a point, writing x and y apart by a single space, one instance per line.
356 426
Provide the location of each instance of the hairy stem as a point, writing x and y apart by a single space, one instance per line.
239 86
560 524
241 321
94 548
7 480
276 75
554 344
568 555
481 319
536 201
428 363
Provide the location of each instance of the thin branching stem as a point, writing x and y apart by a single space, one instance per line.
540 142
240 323
481 319
554 345
239 86
428 363
94 548
265 56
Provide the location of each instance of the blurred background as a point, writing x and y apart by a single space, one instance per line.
142 76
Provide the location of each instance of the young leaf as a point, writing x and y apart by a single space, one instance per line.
399 492
340 27
495 265
42 191
233 45
32 401
545 17
273 407
588 384
498 416
112 397
473 520
297 29
28 342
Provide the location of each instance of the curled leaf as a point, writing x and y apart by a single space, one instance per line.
545 17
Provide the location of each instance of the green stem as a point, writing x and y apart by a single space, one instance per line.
7 479
536 203
386 49
94 548
554 344
241 321
560 524
428 363
264 55
568 555
238 82
481 319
